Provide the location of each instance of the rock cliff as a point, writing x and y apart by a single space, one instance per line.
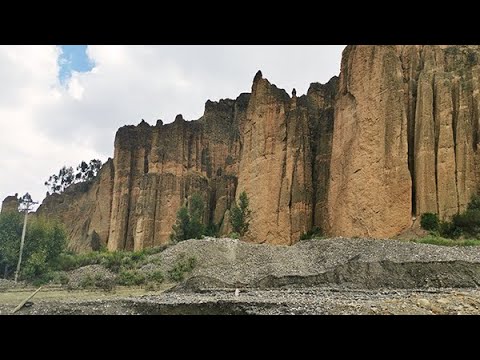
395 136
405 137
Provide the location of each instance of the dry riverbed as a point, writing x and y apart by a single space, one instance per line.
301 301
333 276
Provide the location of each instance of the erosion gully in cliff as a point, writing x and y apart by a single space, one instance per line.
393 137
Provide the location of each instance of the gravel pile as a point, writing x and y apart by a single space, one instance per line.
97 273
358 263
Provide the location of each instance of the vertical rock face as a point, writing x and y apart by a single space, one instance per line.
285 147
405 137
363 155
275 147
159 168
84 209
370 183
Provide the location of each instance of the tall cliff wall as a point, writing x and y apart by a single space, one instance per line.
363 155
405 137
274 146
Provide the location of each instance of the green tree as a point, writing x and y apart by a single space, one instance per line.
67 176
180 228
189 224
240 215
44 241
58 183
10 234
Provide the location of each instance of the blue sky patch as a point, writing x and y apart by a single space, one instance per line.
73 58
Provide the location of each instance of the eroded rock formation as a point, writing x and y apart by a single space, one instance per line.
405 137
363 155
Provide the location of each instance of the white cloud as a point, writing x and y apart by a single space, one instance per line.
45 126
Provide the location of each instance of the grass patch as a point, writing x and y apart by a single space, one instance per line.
438 240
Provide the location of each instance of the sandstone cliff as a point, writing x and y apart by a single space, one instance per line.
274 146
84 209
405 137
363 155
285 159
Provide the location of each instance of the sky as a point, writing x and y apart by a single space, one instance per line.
61 104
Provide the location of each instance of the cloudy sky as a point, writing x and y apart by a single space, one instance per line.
60 105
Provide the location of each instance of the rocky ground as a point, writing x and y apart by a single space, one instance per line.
316 301
334 276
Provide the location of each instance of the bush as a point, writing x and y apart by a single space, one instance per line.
429 222
463 224
311 234
474 203
115 260
131 277
156 276
183 266
212 230
468 222
234 235
103 282
35 266
447 230
87 282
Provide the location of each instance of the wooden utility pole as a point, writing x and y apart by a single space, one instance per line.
27 202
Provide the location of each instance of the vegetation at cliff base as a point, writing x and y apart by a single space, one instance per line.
314 233
44 242
240 215
181 268
463 229
189 224
438 240
429 221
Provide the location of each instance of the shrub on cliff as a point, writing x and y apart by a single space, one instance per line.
240 215
189 224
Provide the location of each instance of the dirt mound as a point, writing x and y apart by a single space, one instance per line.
90 276
355 263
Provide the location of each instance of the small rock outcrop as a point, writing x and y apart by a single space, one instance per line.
10 204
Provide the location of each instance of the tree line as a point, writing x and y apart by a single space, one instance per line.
57 183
